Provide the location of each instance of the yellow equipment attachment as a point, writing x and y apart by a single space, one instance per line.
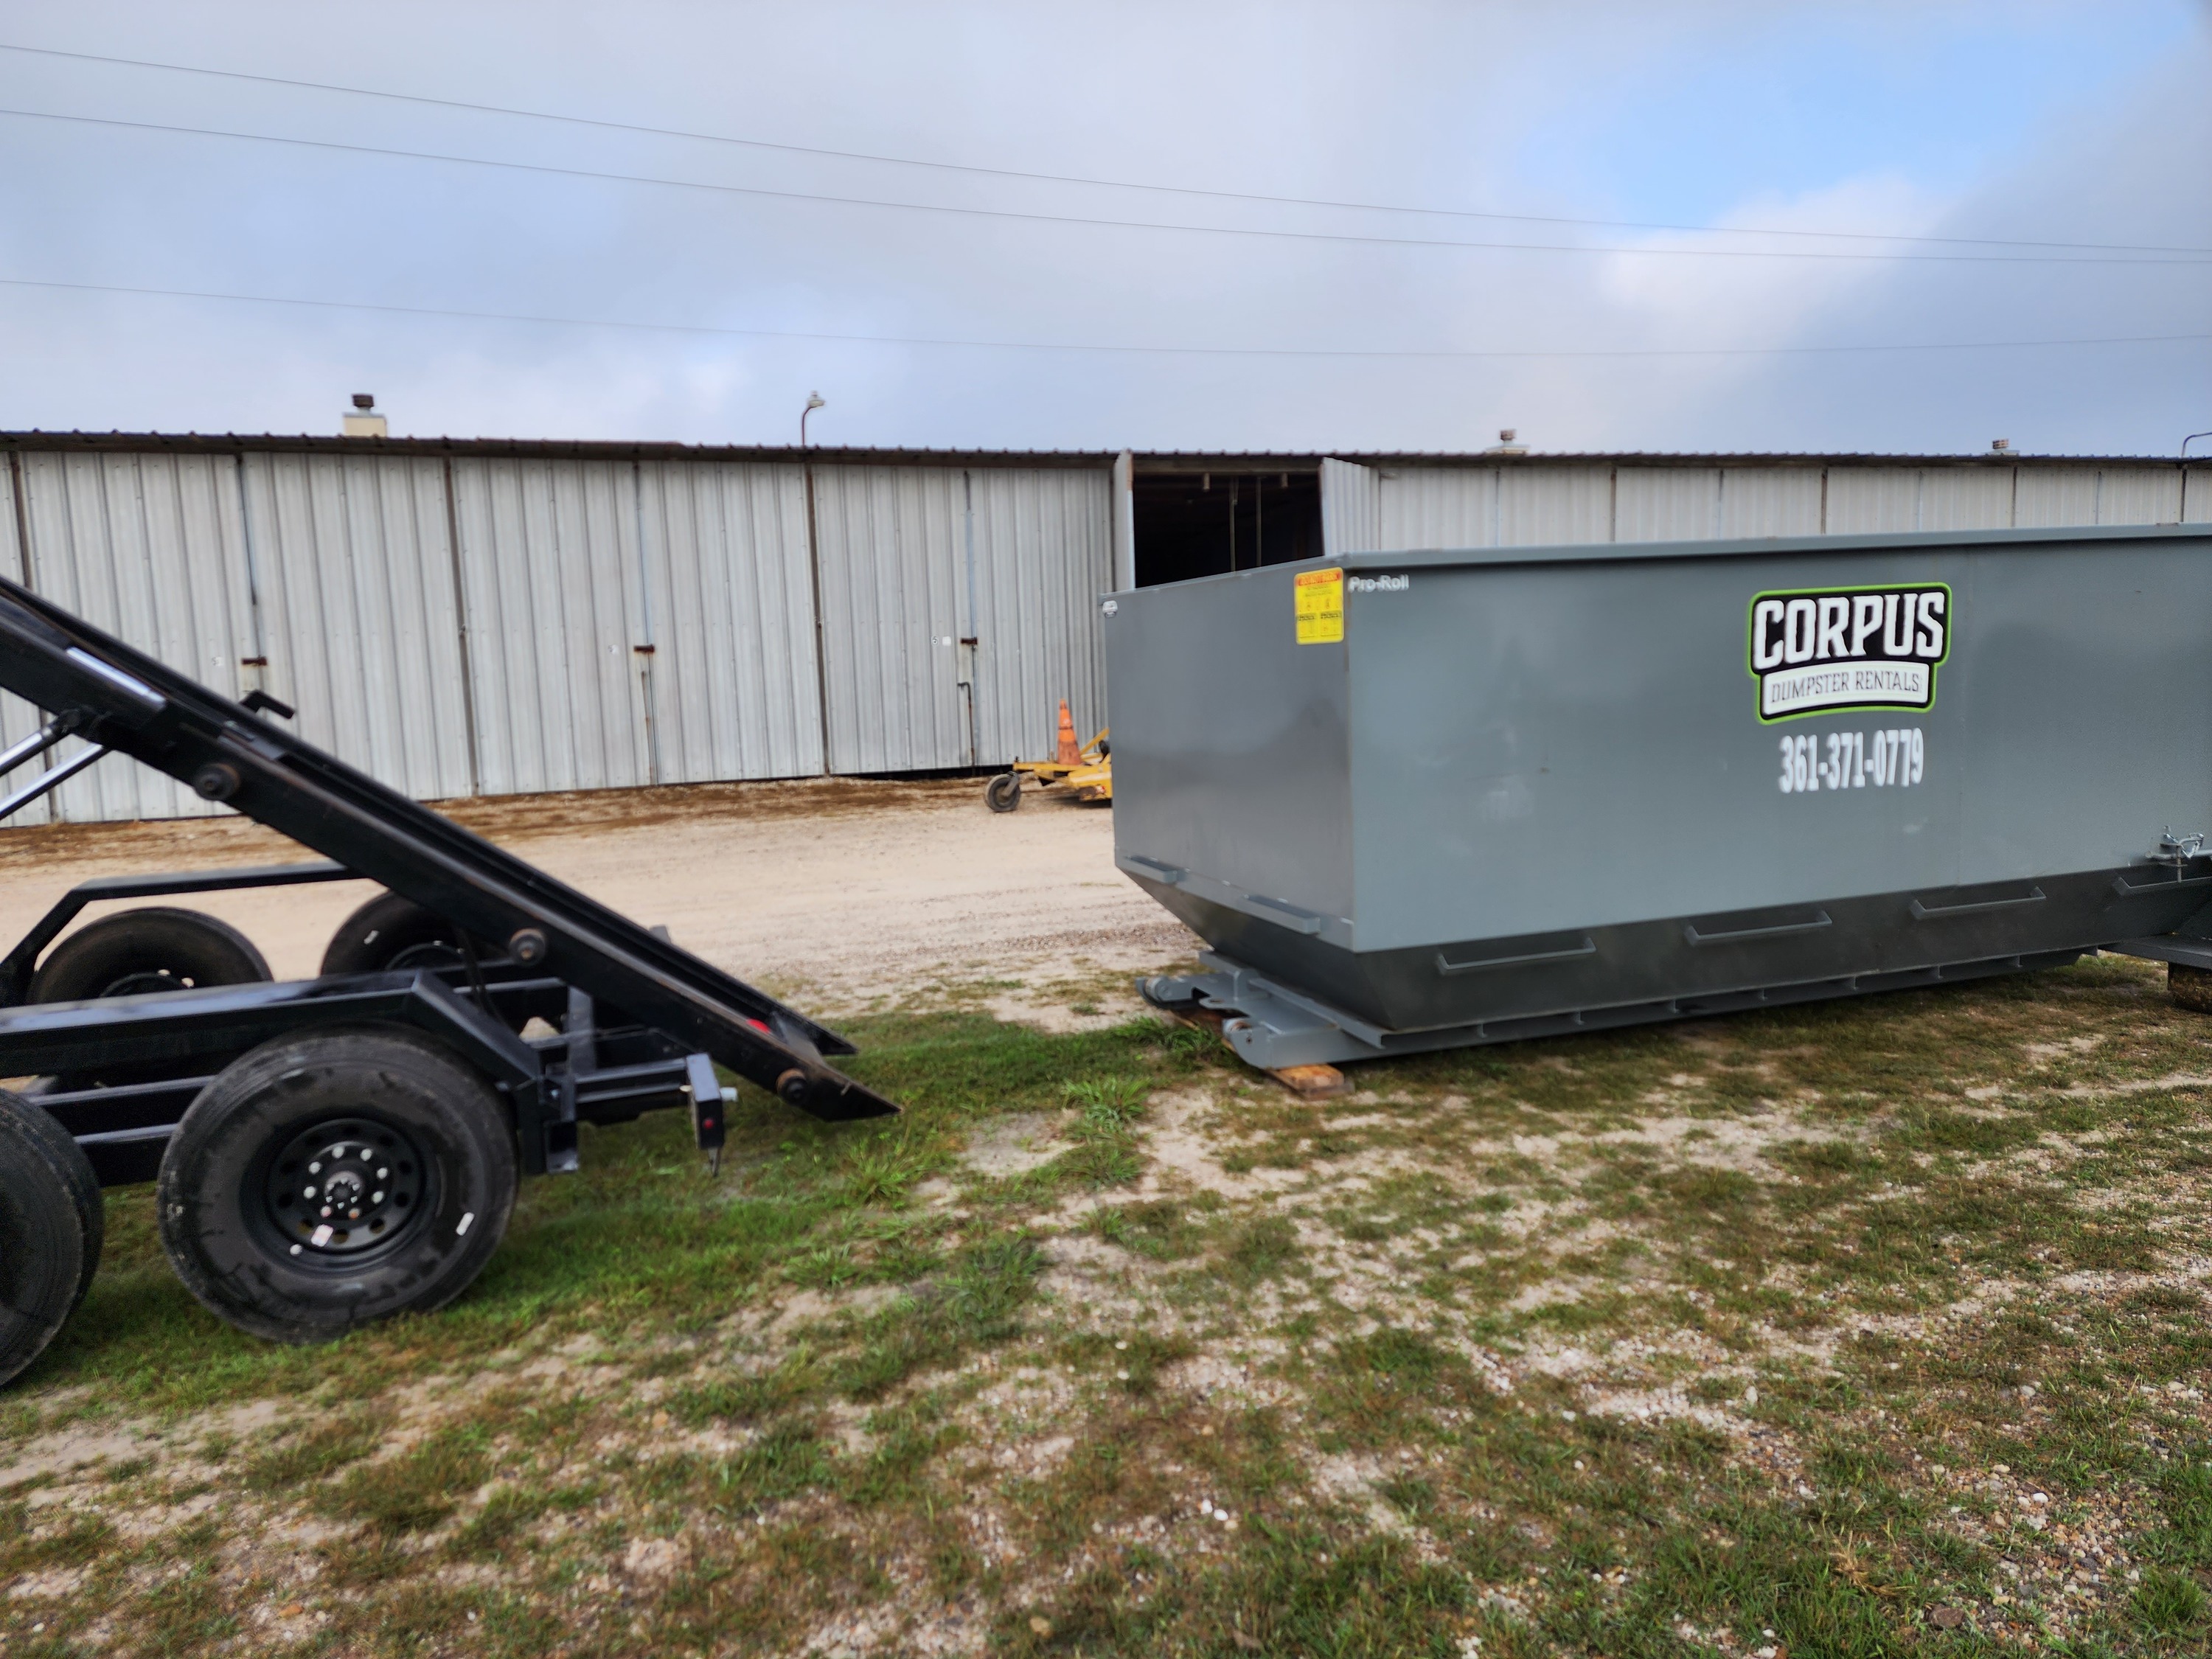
1090 778
1092 783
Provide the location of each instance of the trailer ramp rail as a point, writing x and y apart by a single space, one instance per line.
119 699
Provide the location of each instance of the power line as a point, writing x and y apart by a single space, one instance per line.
1085 346
1080 219
1077 178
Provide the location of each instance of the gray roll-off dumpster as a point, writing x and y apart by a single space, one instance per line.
1416 800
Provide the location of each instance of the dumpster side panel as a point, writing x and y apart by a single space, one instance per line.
1564 745
2084 726
1550 746
1230 759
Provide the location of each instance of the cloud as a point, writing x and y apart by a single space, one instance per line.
1603 108
2106 171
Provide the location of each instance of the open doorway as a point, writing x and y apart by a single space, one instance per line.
1193 519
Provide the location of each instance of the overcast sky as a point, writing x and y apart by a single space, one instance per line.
2084 123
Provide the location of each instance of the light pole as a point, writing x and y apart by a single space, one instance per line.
2190 440
814 400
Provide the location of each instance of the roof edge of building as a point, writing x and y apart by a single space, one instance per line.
1146 460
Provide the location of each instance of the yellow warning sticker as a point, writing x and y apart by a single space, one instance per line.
1320 606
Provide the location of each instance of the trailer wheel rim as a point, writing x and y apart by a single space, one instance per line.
346 1190
145 981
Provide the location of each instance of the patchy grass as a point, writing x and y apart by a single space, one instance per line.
1869 1329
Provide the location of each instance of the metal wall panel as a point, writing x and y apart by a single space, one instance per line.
890 544
1667 504
2196 506
150 548
1966 498
550 575
1547 506
1043 555
1873 499
729 611
1350 509
1437 506
1772 501
1880 499
1426 507
2139 494
353 566
2055 498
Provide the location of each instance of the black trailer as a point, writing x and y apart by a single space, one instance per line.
332 1150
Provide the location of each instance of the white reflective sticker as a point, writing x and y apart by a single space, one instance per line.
463 1227
322 1237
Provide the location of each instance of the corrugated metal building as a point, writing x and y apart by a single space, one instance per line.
1543 499
496 618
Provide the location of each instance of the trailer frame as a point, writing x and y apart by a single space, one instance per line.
568 1012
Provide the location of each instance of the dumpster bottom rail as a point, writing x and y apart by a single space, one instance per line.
1272 1027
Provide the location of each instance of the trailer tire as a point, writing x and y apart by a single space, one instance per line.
158 948
1004 792
47 1251
326 1181
389 932
76 1172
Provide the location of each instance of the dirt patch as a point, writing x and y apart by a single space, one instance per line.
1017 1143
83 1448
1180 1140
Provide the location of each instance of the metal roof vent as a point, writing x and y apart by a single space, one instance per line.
1509 443
362 420
1999 446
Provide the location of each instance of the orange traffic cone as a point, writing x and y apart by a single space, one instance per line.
1069 754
